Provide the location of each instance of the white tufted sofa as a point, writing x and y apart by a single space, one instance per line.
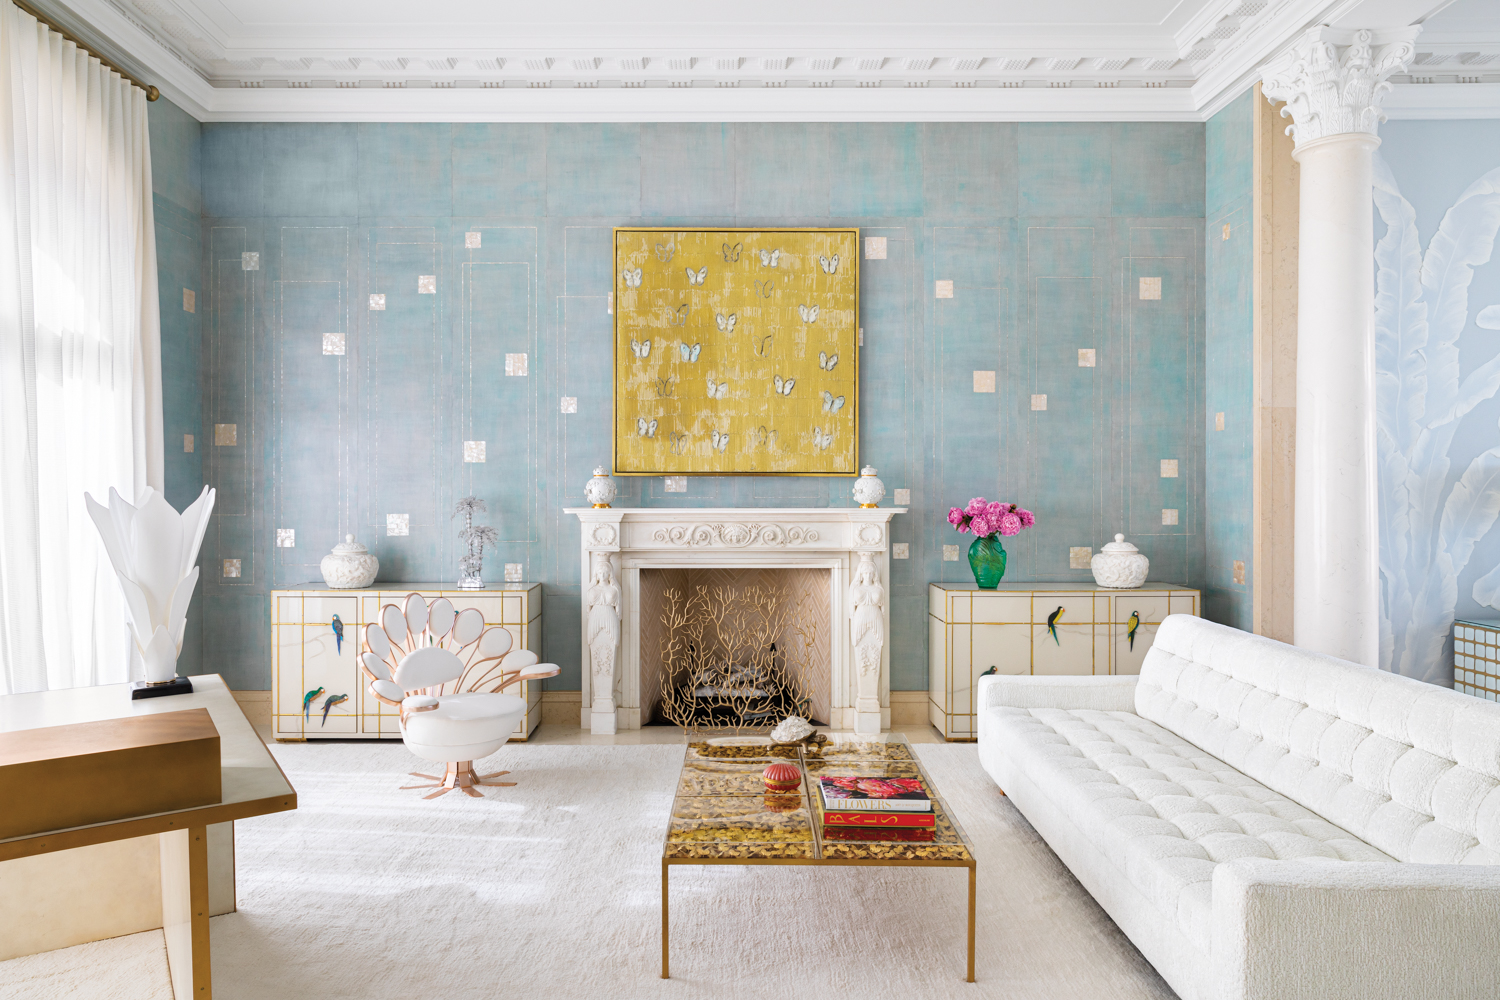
1266 823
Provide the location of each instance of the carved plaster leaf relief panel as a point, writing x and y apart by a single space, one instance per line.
870 534
602 534
735 535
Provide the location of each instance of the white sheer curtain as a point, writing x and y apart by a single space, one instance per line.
80 346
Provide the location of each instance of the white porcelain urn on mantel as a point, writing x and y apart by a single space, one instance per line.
852 543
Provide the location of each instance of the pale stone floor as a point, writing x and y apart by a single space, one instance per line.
557 733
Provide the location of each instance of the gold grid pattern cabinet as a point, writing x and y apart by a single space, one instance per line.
317 689
1476 658
1036 628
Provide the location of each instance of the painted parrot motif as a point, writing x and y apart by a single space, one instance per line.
1052 621
989 671
338 635
332 700
307 701
1134 622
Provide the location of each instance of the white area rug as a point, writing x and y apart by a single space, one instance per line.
552 889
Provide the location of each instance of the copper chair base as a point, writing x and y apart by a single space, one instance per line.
459 774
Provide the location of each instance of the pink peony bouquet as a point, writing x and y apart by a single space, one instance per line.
982 518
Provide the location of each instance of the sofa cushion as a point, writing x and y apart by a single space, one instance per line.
1163 812
1411 768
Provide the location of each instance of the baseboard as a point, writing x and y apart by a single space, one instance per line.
256 705
561 707
908 708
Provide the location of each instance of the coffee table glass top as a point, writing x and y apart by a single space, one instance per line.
722 808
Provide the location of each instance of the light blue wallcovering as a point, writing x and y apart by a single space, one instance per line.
1228 336
1433 164
177 203
1045 231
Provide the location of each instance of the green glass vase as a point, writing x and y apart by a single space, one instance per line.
987 560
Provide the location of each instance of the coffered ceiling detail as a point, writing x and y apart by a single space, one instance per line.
668 59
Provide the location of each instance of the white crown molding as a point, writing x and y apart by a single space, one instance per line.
1078 78
1408 101
709 104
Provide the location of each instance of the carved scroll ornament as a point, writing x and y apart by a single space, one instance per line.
1333 80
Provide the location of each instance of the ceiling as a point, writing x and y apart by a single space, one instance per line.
502 60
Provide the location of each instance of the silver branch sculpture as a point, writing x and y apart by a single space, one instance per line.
471 566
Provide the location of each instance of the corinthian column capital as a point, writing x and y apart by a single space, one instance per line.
1332 79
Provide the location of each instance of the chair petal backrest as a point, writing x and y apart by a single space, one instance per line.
376 667
376 641
468 626
519 660
416 612
495 642
389 690
440 618
394 623
429 666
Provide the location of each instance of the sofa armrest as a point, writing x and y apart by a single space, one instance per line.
1104 694
1308 930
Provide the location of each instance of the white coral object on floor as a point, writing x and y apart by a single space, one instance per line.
154 551
792 729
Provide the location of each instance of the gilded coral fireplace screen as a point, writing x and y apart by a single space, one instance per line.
738 651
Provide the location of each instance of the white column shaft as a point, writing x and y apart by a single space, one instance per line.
1336 602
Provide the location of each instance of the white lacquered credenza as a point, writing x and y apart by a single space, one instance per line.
972 630
307 655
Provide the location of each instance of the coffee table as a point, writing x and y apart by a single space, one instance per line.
723 814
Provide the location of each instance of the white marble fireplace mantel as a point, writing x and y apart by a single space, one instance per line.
853 543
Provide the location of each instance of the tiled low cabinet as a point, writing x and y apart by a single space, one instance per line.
1476 657
307 654
971 630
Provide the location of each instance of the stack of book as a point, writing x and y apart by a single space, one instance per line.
876 809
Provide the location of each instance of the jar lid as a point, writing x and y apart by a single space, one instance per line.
868 470
1119 545
600 470
349 547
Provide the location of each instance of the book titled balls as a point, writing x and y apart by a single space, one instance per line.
781 777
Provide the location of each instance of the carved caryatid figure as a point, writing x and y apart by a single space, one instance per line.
604 632
867 619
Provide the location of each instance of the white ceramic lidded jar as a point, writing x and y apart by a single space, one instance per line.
349 566
601 489
868 490
1120 565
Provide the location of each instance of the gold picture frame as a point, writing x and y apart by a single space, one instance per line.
736 352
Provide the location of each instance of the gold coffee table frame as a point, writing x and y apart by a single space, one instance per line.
722 816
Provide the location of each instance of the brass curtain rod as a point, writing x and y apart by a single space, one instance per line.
151 92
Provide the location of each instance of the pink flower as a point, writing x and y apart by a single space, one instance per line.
957 517
981 525
995 509
1010 524
976 506
1027 518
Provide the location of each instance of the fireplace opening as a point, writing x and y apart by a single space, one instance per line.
734 649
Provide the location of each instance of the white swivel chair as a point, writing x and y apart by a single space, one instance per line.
444 671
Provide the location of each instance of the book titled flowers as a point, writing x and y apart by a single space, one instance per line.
874 794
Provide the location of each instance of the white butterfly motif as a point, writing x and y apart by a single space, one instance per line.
822 440
831 403
809 314
641 348
830 264
768 258
716 390
664 252
726 323
696 277
632 278
690 353
825 362
720 441
783 386
644 429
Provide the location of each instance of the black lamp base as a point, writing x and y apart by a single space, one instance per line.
177 685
